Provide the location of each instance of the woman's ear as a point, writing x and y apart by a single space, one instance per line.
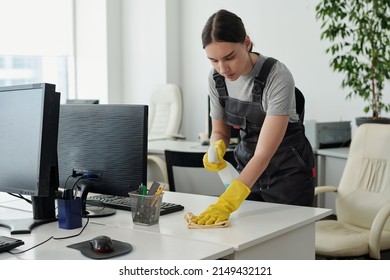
248 43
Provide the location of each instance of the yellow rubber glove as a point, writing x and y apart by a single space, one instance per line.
213 159
227 203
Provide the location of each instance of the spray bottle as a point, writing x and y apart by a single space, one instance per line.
227 174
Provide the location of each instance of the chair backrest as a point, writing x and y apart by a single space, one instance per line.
300 104
187 174
165 111
365 184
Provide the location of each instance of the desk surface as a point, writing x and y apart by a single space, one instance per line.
146 245
334 152
158 146
253 224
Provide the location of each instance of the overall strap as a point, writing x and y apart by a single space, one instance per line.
221 87
258 87
261 79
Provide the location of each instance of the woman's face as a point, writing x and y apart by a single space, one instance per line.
231 60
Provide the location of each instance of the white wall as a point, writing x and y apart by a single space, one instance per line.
114 51
286 30
91 50
160 42
144 48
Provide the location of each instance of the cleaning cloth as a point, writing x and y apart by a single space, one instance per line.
188 217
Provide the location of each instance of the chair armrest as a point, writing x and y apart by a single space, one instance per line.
177 136
161 165
376 231
324 189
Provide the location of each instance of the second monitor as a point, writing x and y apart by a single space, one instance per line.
103 145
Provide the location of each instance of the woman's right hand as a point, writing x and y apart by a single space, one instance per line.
213 159
227 203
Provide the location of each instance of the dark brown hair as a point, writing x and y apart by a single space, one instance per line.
223 26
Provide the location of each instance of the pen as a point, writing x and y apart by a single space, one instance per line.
158 192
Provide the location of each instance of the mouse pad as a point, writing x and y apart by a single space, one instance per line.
120 248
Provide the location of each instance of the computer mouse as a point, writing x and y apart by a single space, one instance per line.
102 244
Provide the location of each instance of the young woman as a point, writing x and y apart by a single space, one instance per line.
275 159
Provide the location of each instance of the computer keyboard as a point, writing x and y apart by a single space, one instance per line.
125 203
8 243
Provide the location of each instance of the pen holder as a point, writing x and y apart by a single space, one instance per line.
145 209
69 213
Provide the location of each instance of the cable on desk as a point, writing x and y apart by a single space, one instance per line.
71 236
21 197
51 237
39 244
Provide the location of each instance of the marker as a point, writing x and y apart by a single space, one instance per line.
144 190
158 192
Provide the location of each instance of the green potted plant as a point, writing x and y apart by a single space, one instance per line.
359 36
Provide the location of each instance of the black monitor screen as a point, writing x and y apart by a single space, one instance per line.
106 144
28 145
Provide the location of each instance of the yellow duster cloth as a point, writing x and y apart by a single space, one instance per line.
188 217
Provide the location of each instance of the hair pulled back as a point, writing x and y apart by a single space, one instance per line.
223 26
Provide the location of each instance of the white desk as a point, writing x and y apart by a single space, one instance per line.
5 197
158 146
330 167
146 245
334 152
258 230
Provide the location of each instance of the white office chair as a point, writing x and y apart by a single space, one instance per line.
362 227
165 112
165 117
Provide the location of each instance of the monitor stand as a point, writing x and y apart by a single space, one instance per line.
43 213
90 211
97 211
24 226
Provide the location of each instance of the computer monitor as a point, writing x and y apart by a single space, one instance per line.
28 150
103 149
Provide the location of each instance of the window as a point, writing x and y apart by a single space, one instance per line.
37 44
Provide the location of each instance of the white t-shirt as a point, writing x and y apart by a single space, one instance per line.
278 94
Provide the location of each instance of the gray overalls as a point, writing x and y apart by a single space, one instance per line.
289 177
